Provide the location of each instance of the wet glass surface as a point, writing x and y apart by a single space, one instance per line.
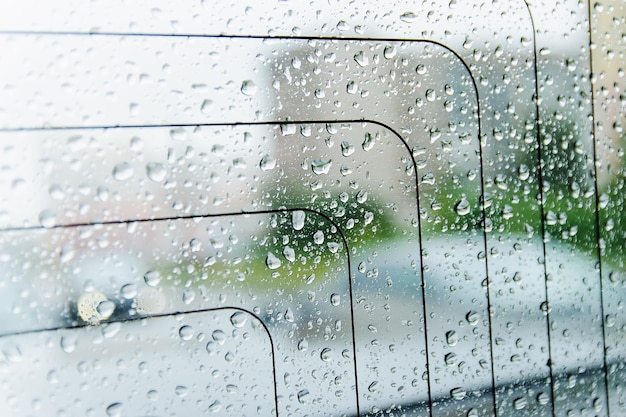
420 204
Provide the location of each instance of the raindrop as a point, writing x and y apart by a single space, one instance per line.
452 338
114 410
133 109
181 390
248 88
368 142
335 299
267 163
463 207
347 148
289 316
297 219
152 278
303 396
56 192
272 261
12 353
520 403
458 393
185 332
472 318
122 171
303 345
47 218
128 291
156 171
219 336
289 253
178 133
321 166
206 107
326 354
238 319
188 296
352 87
408 17
450 359
361 59
523 172
215 407
68 343
390 51
288 129
105 309
318 237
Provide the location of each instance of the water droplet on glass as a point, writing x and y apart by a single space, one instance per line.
272 261
105 309
288 129
321 166
408 17
178 133
238 319
342 25
289 253
462 208
303 345
472 318
523 172
206 107
297 219
335 299
458 393
347 148
318 237
185 332
133 109
188 296
450 359
390 51
152 278
361 59
128 291
156 171
289 316
215 406
68 343
122 171
114 410
12 353
181 390
368 142
267 163
326 354
56 192
451 338
352 87
303 396
520 403
219 336
47 218
248 88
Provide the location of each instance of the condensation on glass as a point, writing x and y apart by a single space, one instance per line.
312 209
